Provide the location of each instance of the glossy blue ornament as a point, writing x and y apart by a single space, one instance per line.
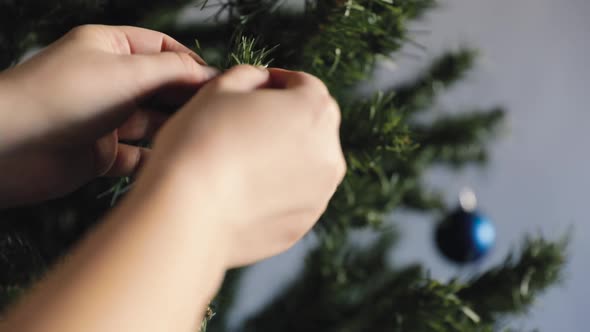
465 235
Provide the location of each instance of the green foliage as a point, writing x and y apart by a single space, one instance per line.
389 145
513 286
353 34
9 294
457 139
350 288
248 52
28 23
442 73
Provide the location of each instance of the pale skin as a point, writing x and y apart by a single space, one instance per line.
239 173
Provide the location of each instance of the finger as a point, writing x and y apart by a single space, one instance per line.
145 41
156 71
104 153
286 79
128 161
242 78
142 125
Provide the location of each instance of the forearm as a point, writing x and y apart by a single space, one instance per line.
149 267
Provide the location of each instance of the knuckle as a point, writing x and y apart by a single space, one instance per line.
338 169
83 30
331 108
315 84
336 166
325 110
341 168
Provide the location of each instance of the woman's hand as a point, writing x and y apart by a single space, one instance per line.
263 147
65 110
239 174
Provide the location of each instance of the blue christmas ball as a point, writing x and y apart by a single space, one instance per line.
465 236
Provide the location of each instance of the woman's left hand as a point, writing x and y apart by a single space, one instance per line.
65 110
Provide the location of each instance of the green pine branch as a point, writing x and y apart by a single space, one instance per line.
458 139
444 72
349 288
513 286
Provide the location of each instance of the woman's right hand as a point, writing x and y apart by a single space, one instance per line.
262 148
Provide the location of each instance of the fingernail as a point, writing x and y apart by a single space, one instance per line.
211 72
263 68
198 58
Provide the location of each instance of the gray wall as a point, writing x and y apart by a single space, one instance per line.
536 63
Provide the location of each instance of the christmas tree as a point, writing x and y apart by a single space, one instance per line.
389 145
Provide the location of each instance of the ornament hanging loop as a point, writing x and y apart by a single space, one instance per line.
467 199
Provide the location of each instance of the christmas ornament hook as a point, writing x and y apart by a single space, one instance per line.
467 199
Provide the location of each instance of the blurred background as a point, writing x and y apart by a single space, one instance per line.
535 63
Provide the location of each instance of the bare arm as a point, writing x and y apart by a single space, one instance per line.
149 267
240 173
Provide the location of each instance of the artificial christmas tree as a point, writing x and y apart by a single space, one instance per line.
388 149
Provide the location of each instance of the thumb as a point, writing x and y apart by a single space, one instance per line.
154 71
242 78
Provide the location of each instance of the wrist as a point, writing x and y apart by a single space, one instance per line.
20 122
177 197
